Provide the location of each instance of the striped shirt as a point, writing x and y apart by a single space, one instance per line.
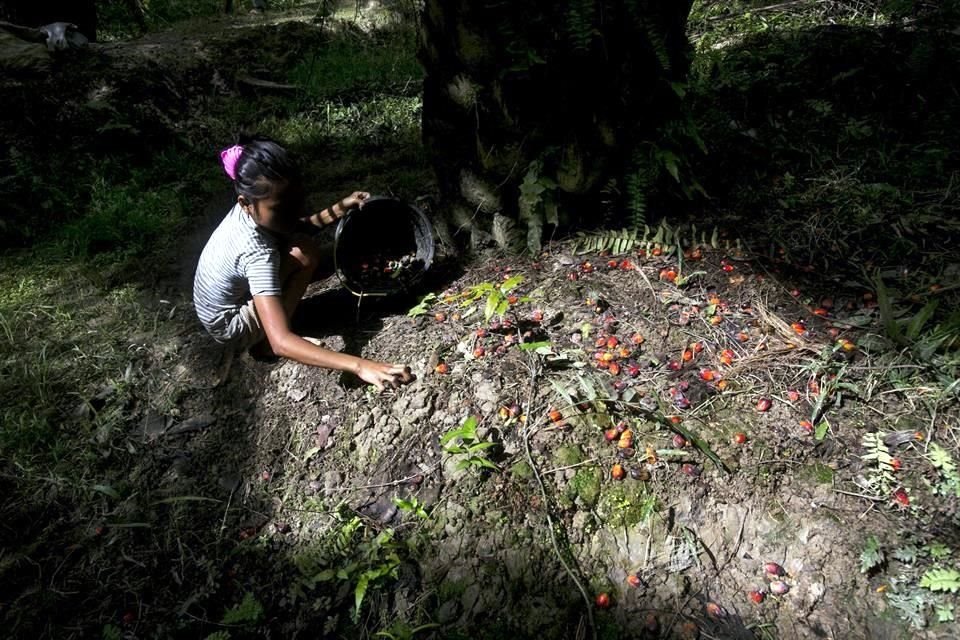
239 261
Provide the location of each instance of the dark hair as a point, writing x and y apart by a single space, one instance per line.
262 167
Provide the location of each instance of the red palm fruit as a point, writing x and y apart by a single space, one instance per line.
813 387
820 311
637 339
896 464
774 569
707 375
679 441
479 352
624 352
611 435
600 342
608 357
798 328
626 265
673 365
687 355
442 368
572 276
757 596
634 580
807 426
847 345
614 369
602 601
633 370
656 251
626 434
691 470
900 495
763 404
727 267
621 427
612 342
537 316
481 333
713 299
617 472
743 336
716 319
795 293
697 347
740 438
555 415
721 385
439 317
715 611
793 395
612 264
727 356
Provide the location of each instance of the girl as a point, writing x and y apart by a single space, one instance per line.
256 267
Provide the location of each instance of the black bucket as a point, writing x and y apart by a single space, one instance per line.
382 248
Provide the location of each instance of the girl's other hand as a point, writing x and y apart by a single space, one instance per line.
381 374
355 200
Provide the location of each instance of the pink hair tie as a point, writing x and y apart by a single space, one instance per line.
229 159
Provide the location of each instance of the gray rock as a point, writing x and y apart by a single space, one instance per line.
332 480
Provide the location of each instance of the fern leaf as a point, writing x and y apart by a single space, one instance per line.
941 580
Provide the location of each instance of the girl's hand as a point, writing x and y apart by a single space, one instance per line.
354 200
381 374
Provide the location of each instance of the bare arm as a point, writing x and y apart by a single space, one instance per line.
287 344
336 211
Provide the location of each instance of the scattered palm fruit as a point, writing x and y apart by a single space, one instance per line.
708 375
627 452
679 441
740 438
441 368
537 316
721 385
896 464
743 336
716 319
638 473
779 588
265 476
439 316
621 427
481 333
673 365
798 328
668 274
715 611
676 419
602 601
611 435
795 293
774 569
847 346
555 415
900 495
633 370
634 580
691 470
727 356
820 311
727 267
479 352
614 369
637 339
793 395
764 404
757 596
806 425
612 342
687 355
617 472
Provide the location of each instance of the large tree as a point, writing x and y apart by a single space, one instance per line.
531 109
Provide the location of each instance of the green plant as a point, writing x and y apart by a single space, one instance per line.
248 611
881 475
872 556
351 552
941 580
411 505
496 297
469 446
423 306
943 462
537 206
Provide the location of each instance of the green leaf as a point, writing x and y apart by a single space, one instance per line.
511 283
422 306
106 490
872 556
249 611
533 346
941 580
944 612
821 431
493 301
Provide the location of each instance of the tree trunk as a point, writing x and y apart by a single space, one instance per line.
531 109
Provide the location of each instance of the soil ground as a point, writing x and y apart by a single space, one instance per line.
239 498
